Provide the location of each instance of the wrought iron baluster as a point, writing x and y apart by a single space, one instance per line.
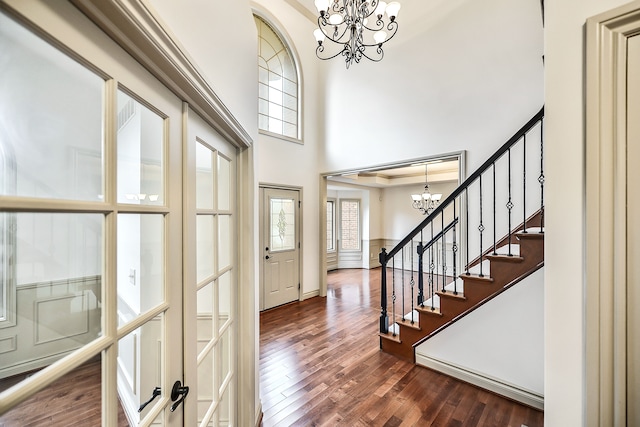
541 177
393 294
412 283
444 259
454 249
524 183
432 267
466 225
509 202
481 226
493 167
384 320
402 270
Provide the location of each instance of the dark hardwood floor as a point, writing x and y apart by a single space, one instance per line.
320 365
73 400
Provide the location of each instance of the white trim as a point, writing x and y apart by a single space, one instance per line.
311 294
606 214
484 381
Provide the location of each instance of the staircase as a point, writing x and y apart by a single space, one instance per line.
484 238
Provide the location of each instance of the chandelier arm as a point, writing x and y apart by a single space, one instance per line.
379 51
320 49
392 26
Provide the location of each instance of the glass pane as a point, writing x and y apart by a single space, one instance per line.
205 385
224 409
74 397
204 177
140 153
51 123
56 283
205 306
282 219
140 367
224 298
350 224
330 228
223 347
224 184
140 263
224 242
205 250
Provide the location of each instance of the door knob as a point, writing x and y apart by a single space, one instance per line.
178 394
267 257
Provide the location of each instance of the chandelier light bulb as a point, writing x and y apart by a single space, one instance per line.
392 10
381 8
319 35
336 19
322 5
379 37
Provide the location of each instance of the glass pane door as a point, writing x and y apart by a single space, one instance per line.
212 287
90 231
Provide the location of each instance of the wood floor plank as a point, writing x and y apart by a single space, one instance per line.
320 365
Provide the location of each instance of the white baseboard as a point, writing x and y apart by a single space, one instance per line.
508 390
311 294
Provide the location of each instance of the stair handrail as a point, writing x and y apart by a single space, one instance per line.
475 175
385 256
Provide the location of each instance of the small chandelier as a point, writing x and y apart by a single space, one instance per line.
347 23
426 202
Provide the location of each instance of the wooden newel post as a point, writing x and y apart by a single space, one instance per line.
384 319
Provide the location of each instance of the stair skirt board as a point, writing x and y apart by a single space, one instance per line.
510 391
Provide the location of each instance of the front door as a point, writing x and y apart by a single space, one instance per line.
280 238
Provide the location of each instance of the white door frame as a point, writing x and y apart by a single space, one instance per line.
262 187
606 214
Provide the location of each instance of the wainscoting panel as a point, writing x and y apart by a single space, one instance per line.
53 319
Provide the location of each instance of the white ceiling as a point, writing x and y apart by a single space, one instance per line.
439 171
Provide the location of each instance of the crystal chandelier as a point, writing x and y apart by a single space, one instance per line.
350 24
426 202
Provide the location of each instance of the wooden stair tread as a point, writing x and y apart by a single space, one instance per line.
407 323
505 258
486 277
530 235
390 337
459 296
427 310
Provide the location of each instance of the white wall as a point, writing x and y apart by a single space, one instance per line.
502 340
564 196
287 163
459 75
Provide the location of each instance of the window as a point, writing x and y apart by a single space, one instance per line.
277 84
331 225
350 225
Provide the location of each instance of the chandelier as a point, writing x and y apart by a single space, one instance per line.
350 23
425 202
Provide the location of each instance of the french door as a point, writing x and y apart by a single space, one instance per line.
112 219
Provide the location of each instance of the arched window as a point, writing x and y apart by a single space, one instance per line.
277 84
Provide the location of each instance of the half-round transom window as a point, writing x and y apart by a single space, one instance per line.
278 84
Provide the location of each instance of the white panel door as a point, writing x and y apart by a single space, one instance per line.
281 246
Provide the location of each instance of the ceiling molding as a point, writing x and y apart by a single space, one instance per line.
306 12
